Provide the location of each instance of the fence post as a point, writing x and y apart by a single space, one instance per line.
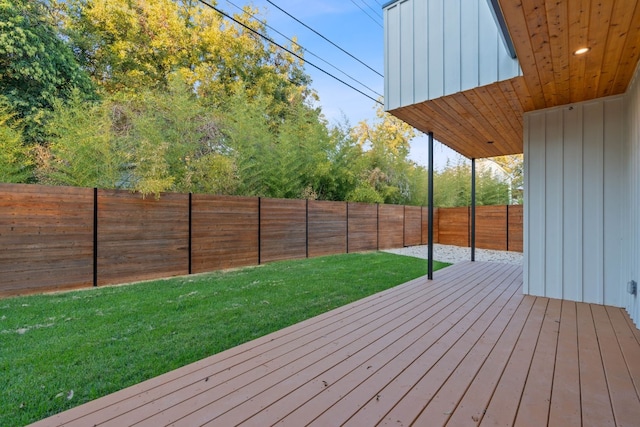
190 229
377 226
347 227
404 224
507 227
95 236
259 230
306 238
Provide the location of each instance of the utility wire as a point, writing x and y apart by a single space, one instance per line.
308 27
366 13
304 48
378 11
287 50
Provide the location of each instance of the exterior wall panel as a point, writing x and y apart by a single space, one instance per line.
576 191
572 206
435 48
632 220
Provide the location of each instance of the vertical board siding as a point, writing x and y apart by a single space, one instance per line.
46 236
141 238
224 232
390 223
434 48
632 221
327 228
553 205
593 210
453 227
412 225
363 227
535 205
283 229
572 206
576 192
491 227
515 228
615 193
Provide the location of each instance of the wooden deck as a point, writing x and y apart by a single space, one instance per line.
465 349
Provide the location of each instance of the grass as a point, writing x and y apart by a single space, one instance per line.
60 350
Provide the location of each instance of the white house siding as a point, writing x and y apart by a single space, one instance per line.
632 157
440 47
581 177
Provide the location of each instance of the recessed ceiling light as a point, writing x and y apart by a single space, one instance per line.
582 51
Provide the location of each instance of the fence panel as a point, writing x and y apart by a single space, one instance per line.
491 227
425 225
327 228
46 238
141 239
362 226
453 226
516 228
224 232
412 225
390 226
283 229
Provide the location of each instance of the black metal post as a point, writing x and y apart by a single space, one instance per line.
190 230
430 207
259 230
306 237
95 237
347 228
473 209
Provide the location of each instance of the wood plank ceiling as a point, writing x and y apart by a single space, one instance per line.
488 121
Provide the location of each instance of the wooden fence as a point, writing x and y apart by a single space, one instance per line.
63 237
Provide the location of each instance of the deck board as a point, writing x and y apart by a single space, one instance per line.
464 349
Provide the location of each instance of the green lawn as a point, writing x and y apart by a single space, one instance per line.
60 350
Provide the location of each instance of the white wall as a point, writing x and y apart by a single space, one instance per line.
632 156
440 47
582 201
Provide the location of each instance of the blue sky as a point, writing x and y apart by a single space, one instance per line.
345 24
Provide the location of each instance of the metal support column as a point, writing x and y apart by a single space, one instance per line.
430 215
473 210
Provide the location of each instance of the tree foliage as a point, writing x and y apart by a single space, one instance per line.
37 66
167 95
15 161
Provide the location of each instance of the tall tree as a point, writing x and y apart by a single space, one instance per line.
37 66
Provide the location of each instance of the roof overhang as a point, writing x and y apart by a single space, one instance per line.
487 121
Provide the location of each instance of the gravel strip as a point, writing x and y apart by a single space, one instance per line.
454 254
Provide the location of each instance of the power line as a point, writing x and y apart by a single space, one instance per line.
367 13
308 27
303 48
287 50
377 12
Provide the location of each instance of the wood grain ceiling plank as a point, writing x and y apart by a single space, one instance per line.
620 23
631 54
599 23
507 117
423 118
579 11
538 29
488 115
512 97
516 22
467 133
524 96
557 21
469 114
